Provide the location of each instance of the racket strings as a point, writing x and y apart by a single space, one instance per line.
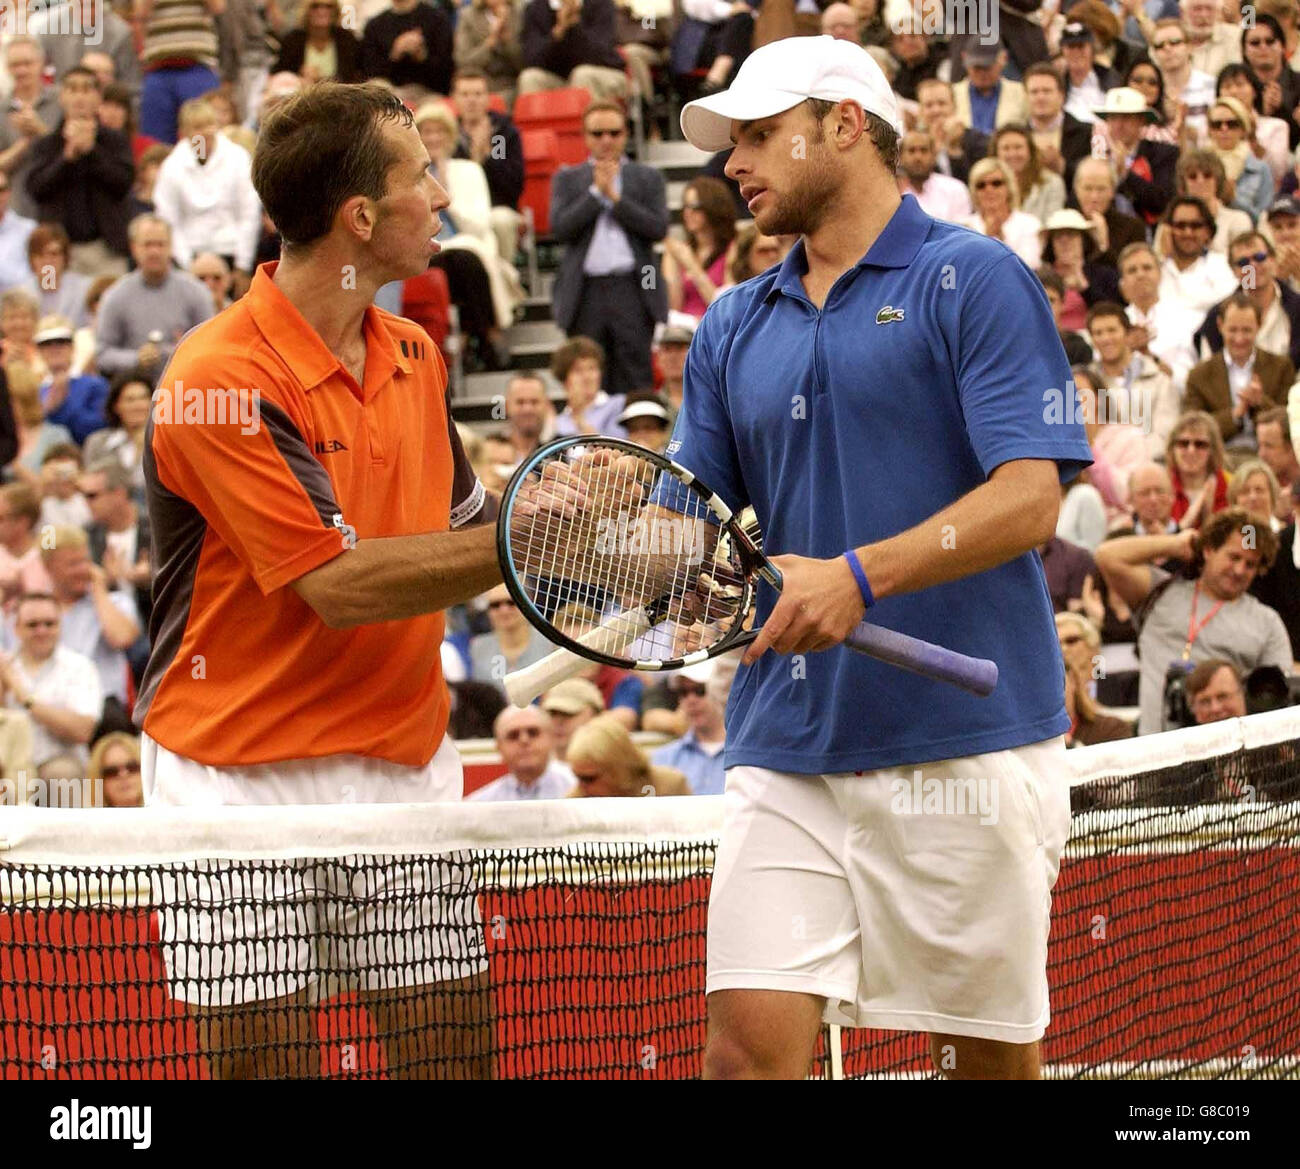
582 565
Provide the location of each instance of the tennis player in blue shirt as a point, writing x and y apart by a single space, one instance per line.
888 399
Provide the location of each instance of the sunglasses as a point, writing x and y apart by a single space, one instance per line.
1253 258
1261 42
606 133
1199 444
696 688
585 778
491 604
989 183
1187 224
121 769
1224 124
522 733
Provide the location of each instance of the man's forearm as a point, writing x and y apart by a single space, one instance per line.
998 521
1132 551
66 724
119 630
397 577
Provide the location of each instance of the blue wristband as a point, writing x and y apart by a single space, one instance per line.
864 588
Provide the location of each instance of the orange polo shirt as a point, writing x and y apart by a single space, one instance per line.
264 460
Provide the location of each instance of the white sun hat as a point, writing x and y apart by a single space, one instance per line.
784 73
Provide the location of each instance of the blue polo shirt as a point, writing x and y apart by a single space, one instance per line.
932 362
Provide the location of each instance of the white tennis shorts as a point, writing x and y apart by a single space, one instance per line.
245 931
911 898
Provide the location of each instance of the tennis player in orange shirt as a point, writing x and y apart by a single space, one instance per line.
313 513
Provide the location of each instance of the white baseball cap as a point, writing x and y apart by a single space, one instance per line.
784 73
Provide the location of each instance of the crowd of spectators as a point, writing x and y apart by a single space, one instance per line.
1140 156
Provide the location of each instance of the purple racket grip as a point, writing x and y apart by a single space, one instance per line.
978 675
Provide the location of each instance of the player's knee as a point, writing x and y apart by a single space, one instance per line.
737 1053
727 1057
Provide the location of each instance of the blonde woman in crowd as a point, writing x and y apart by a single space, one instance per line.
1255 487
115 762
606 762
997 214
35 435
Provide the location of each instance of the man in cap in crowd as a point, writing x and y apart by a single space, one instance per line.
570 704
698 753
1284 227
1144 170
76 402
674 341
1087 80
985 99
525 740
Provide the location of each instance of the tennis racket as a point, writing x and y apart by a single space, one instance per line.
621 556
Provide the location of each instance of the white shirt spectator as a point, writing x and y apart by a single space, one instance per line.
15 272
1019 233
1085 98
67 680
1200 286
553 784
1170 327
944 198
212 206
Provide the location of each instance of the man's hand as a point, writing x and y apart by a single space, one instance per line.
99 582
1138 338
26 123
407 44
10 683
148 354
603 175
819 606
1251 398
1288 261
116 568
78 137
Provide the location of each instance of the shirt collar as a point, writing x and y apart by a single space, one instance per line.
307 356
895 247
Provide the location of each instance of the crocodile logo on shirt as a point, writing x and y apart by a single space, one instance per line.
889 313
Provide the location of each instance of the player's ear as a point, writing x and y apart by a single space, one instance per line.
360 215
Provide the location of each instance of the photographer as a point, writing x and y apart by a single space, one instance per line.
1184 621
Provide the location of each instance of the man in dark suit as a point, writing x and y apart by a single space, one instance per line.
1240 380
1254 259
1145 169
609 213
81 176
1063 141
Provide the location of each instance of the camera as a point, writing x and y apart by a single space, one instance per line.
1178 712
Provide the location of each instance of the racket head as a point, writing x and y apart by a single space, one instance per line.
581 580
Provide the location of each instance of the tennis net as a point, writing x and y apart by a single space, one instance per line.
566 938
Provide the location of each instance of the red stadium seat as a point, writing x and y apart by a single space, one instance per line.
426 300
498 103
540 163
559 110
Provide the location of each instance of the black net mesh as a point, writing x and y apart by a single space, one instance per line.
1174 951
